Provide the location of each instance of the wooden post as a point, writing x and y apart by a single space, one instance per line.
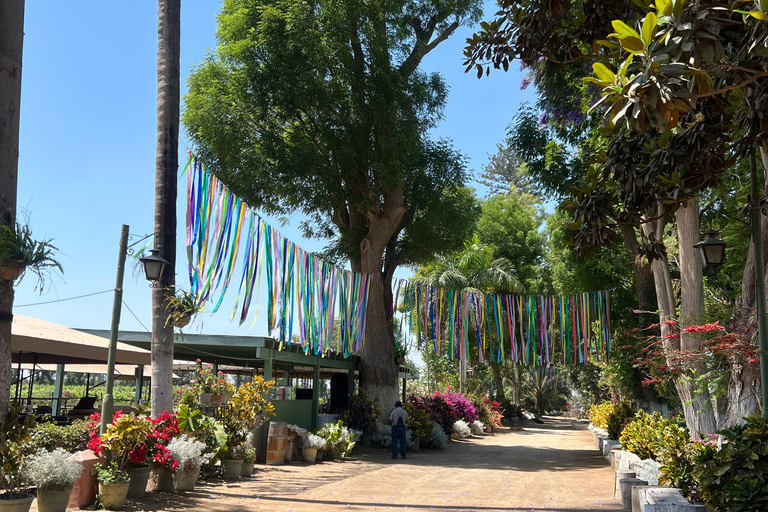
315 393
58 389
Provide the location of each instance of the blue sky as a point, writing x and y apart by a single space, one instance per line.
87 148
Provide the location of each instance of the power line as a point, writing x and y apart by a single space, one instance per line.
61 300
134 316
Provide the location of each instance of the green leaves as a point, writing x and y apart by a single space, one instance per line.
649 28
603 73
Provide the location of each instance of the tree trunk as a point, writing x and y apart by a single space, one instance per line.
743 394
644 286
11 42
166 167
498 380
378 373
697 404
518 384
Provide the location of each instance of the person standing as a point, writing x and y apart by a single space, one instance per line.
399 419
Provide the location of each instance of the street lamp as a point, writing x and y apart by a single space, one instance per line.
154 265
711 250
153 269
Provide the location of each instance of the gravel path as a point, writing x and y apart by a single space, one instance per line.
541 468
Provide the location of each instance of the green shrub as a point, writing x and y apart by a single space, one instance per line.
598 414
735 477
643 435
419 423
71 438
676 455
618 418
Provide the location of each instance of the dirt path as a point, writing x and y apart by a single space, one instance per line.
540 469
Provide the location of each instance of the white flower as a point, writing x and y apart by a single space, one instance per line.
52 469
189 452
461 429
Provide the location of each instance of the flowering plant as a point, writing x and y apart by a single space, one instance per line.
58 468
313 441
463 407
189 453
221 386
205 382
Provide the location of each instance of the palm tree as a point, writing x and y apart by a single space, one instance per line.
11 42
477 271
166 166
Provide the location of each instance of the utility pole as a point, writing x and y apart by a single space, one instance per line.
107 403
757 241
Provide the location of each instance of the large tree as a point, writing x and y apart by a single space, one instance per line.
320 108
166 167
11 42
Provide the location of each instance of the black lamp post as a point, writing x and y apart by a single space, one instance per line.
153 265
711 250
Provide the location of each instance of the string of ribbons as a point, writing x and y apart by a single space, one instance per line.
229 244
531 330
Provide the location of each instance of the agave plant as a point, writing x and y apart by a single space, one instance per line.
19 250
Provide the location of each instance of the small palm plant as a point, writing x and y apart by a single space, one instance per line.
20 252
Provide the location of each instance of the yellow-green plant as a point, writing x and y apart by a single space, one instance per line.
247 408
643 436
126 433
598 414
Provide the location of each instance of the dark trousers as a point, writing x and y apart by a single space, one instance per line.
398 434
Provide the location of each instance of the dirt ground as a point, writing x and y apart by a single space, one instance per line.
541 468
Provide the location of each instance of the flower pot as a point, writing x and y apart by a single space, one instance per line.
320 455
415 445
310 453
204 398
54 498
139 480
165 480
10 271
247 469
16 502
216 399
400 360
183 320
367 440
113 496
225 399
333 454
186 480
232 468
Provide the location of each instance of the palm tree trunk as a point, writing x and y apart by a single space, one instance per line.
166 166
11 43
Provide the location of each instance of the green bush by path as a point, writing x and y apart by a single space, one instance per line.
598 414
618 418
735 477
643 435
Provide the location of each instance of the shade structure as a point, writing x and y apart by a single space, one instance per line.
122 371
41 342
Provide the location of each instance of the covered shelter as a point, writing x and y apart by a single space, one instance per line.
37 345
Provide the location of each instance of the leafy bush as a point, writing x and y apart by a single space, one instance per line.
419 423
618 418
676 455
461 429
56 468
49 436
735 476
338 438
598 414
643 435
439 439
362 413
441 411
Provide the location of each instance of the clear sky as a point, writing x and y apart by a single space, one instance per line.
87 149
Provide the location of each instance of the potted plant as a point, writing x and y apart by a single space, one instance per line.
205 383
20 252
181 308
222 390
311 445
249 459
232 462
362 413
13 433
113 485
398 355
189 454
338 440
53 473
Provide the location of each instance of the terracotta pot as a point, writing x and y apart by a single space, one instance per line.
310 453
232 468
320 455
53 499
139 480
10 271
183 320
216 399
113 496
204 398
247 469
400 360
21 502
